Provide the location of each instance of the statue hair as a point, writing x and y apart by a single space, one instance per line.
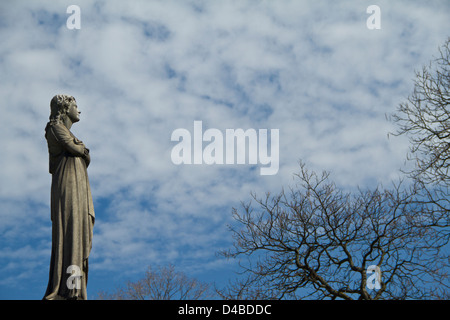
59 106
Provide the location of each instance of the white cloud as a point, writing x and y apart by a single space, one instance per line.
141 69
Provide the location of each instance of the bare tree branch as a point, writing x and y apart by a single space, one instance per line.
162 284
317 241
425 119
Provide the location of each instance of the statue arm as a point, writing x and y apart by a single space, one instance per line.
68 142
87 157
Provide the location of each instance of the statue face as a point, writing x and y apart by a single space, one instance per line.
73 113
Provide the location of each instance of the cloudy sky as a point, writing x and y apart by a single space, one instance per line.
141 69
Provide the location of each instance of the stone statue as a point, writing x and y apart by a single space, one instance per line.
72 209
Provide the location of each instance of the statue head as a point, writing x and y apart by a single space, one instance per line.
64 108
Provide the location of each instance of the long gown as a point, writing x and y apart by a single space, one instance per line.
72 214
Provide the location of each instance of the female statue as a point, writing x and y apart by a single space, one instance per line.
72 209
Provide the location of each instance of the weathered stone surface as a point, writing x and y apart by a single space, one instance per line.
72 209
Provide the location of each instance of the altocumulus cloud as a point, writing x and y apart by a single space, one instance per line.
141 69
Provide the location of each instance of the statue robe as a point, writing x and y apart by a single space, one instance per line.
72 214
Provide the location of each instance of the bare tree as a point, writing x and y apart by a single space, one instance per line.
425 119
162 284
319 242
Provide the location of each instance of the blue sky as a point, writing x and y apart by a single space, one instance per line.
141 69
